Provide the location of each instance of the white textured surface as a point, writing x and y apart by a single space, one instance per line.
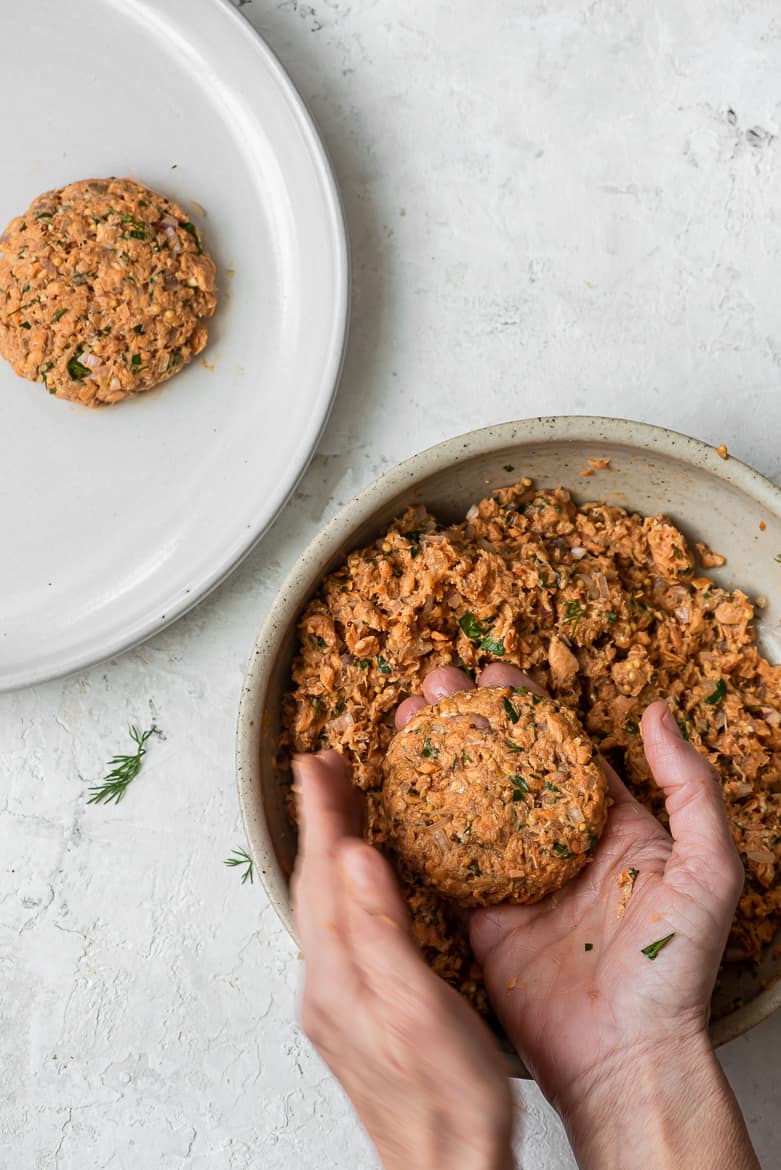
550 211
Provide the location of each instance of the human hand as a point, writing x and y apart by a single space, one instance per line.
422 1070
602 1026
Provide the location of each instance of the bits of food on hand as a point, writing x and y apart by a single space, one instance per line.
493 795
105 289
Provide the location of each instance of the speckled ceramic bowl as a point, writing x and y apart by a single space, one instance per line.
651 470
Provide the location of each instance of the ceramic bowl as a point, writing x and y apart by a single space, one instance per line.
720 501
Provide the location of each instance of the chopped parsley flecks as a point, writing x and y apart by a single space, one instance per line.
535 698
191 230
428 751
520 787
653 949
75 368
480 632
493 646
510 711
473 629
573 612
718 694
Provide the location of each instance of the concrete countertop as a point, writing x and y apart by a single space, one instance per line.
555 207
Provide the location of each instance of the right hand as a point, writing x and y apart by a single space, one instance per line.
591 1015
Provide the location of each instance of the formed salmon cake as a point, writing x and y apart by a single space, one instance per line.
104 291
494 795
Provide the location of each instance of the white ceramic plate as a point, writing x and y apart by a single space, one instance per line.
114 522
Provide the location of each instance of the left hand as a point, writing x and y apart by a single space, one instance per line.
421 1068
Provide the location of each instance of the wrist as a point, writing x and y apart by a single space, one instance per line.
661 1108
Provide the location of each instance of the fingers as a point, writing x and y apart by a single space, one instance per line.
407 709
497 674
703 845
328 804
444 681
447 680
618 791
329 810
377 922
491 925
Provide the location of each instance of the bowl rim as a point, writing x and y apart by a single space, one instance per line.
299 581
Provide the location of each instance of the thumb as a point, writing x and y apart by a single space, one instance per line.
329 807
703 848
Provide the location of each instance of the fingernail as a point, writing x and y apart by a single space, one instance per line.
671 723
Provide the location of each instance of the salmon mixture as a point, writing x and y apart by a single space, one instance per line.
607 610
104 291
493 795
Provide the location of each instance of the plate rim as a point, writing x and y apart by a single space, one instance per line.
70 663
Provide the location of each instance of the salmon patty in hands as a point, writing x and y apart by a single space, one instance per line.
493 795
104 291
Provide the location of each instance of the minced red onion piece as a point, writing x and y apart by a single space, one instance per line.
341 723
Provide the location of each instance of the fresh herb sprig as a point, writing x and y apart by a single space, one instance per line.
123 770
240 857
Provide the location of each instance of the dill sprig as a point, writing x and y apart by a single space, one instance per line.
123 770
241 857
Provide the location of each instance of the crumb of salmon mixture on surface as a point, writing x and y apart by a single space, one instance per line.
600 606
493 795
104 291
